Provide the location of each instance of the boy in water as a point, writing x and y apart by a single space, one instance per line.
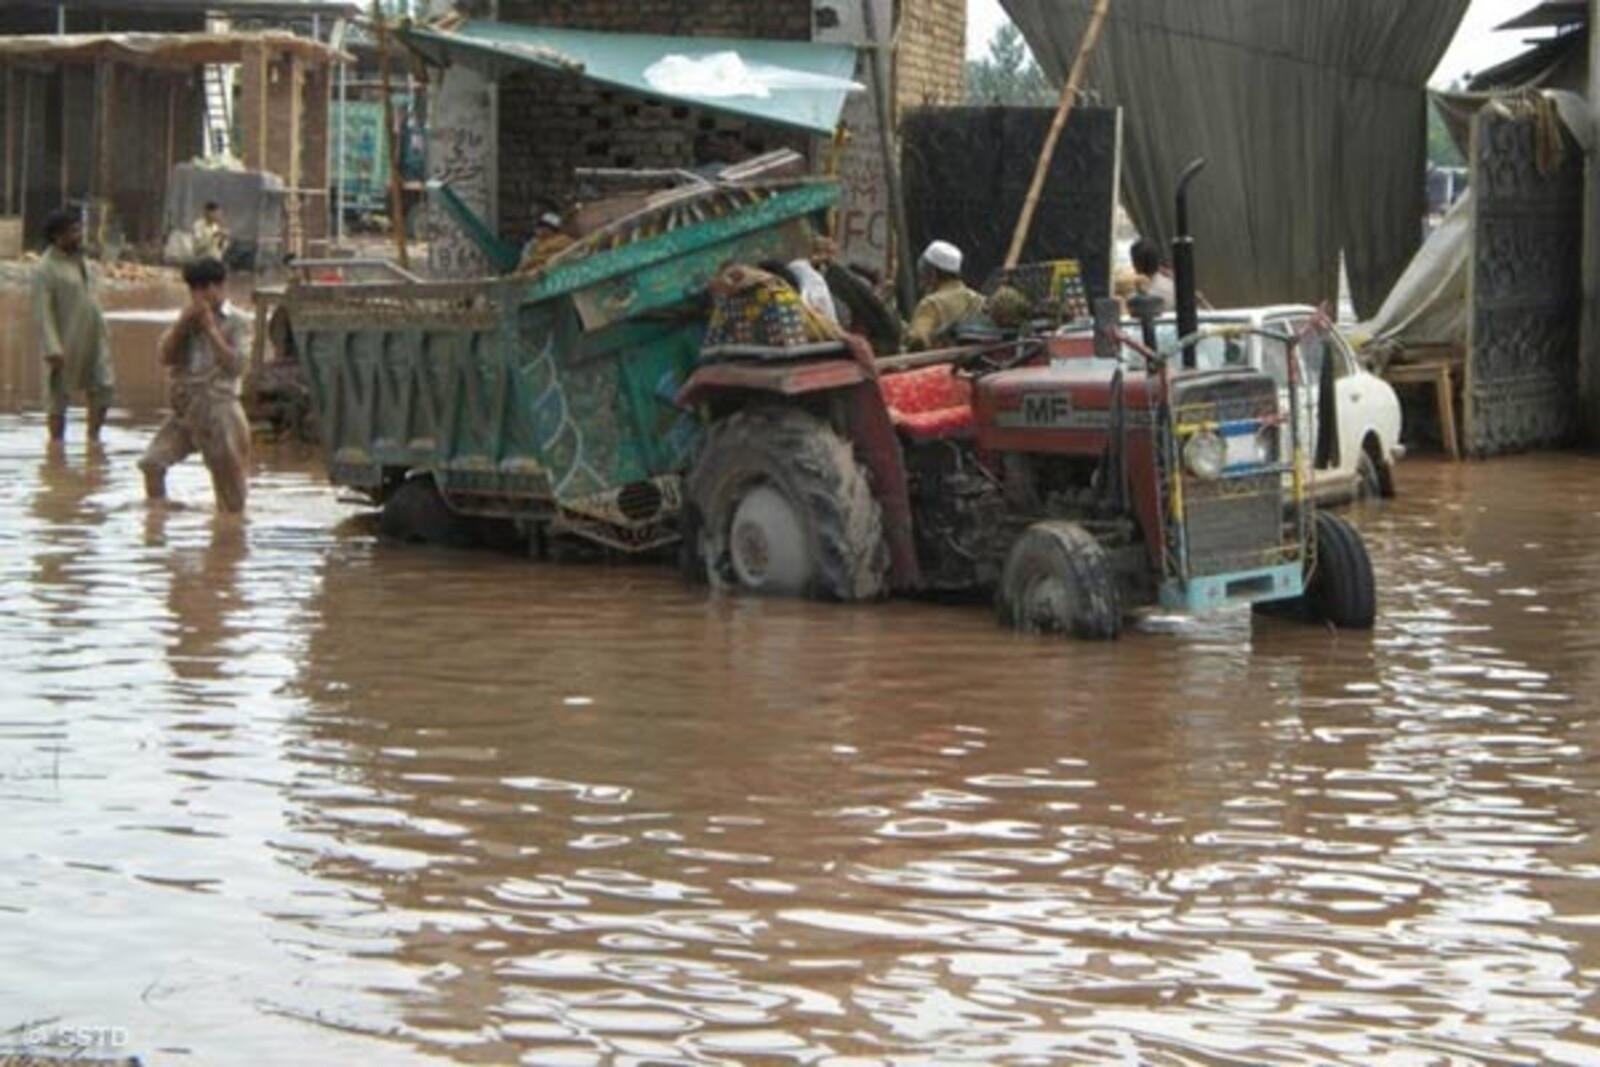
205 353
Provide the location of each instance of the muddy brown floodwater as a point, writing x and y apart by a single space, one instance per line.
280 794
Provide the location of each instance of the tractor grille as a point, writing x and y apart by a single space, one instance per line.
1226 397
1235 523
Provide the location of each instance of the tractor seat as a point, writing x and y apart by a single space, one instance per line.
929 403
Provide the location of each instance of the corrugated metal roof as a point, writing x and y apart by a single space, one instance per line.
157 49
792 83
284 8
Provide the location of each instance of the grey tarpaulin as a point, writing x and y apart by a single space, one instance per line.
1311 113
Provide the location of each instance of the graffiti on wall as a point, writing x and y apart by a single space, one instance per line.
461 154
861 225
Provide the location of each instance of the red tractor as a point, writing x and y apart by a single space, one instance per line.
1073 490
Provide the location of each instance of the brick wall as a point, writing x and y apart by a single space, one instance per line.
933 45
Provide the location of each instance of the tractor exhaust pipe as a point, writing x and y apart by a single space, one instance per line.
1183 279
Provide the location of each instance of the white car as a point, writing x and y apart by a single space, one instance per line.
1364 444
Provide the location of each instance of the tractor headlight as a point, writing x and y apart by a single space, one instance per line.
1205 455
1267 445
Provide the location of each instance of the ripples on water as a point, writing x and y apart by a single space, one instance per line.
276 793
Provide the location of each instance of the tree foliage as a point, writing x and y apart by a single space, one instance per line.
1008 74
1442 151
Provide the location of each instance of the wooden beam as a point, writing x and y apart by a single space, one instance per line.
66 144
11 140
397 204
27 130
172 129
1069 96
105 80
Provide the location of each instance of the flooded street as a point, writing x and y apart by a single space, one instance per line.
276 793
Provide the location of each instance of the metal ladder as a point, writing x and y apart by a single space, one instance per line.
218 85
219 110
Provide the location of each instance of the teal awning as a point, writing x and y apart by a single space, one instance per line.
792 83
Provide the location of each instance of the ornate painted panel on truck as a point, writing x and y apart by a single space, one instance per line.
546 398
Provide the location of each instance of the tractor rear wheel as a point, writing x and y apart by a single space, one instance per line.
782 506
1058 579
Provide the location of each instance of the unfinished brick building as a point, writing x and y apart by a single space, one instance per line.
550 124
99 101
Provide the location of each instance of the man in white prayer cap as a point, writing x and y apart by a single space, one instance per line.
948 300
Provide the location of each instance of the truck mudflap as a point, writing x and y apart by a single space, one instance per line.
850 377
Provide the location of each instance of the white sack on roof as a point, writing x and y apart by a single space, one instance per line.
726 74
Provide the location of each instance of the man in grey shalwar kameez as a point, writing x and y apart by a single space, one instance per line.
72 329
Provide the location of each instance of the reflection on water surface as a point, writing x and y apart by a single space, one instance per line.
277 793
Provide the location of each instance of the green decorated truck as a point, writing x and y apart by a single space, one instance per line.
545 399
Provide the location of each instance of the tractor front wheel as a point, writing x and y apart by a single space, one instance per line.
1058 579
782 506
1341 589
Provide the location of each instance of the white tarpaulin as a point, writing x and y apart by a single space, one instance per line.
1428 305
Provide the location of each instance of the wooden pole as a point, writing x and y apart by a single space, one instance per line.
66 135
27 135
397 220
105 81
11 139
882 86
1069 96
172 132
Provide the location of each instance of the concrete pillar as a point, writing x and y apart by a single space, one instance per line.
864 225
1589 342
463 150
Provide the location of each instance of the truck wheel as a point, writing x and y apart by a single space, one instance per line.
1342 589
417 512
1057 579
783 507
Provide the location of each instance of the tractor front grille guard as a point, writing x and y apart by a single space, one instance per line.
1230 492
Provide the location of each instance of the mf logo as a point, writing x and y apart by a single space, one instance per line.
1036 411
1046 409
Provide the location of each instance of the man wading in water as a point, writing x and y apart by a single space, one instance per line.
205 353
72 331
